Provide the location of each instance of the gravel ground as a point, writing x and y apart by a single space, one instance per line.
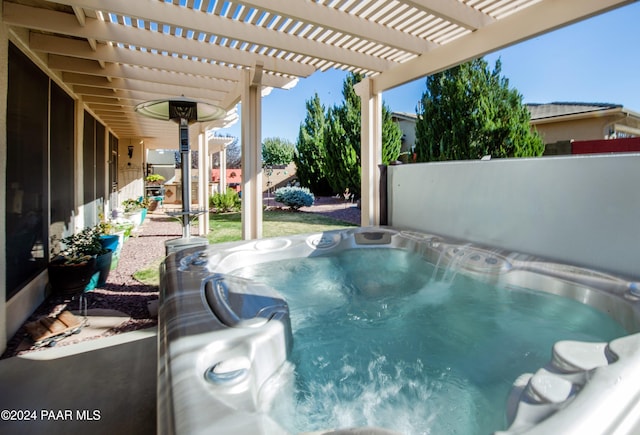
121 292
335 208
124 293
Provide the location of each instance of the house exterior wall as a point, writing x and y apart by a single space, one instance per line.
408 135
578 129
407 124
233 177
15 310
131 171
18 308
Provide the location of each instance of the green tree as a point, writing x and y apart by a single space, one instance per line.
342 140
468 112
342 164
310 151
391 137
277 151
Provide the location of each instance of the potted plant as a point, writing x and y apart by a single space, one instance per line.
145 203
124 227
131 205
112 238
133 210
78 262
154 179
154 190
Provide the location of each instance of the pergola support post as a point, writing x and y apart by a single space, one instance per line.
370 151
222 185
252 154
204 175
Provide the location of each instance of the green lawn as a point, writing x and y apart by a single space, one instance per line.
227 228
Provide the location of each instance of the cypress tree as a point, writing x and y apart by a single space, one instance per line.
468 112
342 140
310 151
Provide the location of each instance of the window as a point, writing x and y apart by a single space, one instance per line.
101 158
41 162
62 161
27 171
89 167
113 169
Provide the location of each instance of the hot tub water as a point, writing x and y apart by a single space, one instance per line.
379 341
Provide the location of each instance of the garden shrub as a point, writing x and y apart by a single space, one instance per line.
295 197
225 202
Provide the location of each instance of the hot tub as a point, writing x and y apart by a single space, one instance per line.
226 339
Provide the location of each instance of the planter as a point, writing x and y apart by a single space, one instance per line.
124 227
135 217
103 266
110 241
70 279
101 271
113 242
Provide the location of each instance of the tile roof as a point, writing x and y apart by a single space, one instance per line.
557 109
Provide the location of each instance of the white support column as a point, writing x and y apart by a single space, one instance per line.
370 151
104 161
203 183
252 154
78 222
222 183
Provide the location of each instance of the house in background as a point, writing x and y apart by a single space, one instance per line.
566 128
233 179
274 177
407 123
564 124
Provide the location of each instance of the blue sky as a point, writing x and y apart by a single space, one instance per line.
596 60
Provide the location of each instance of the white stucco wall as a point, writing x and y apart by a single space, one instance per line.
580 210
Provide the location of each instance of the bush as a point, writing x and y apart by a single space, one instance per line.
79 247
277 151
225 202
295 197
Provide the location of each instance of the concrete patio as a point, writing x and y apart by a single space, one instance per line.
93 381
100 386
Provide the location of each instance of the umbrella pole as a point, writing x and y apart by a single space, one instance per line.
186 177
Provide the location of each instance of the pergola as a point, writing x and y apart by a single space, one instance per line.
116 54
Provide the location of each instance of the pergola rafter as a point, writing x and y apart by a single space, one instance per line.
166 48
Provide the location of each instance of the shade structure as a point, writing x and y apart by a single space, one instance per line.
184 111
